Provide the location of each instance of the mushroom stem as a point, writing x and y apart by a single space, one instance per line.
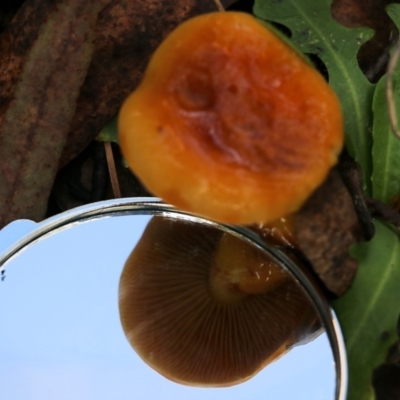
279 232
239 270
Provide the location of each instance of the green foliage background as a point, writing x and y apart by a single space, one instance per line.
369 310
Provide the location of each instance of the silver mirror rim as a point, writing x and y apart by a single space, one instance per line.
153 205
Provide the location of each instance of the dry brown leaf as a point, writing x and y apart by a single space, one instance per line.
127 34
374 54
44 57
325 228
386 382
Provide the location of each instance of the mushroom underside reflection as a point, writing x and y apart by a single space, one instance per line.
204 308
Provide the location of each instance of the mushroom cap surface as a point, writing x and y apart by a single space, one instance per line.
181 329
230 122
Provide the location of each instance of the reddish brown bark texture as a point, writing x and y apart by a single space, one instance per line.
43 65
65 68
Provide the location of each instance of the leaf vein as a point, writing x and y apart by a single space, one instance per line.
374 299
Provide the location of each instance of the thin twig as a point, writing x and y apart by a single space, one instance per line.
112 170
385 211
389 90
219 6
351 174
99 174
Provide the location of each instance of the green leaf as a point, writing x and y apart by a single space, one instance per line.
109 133
369 310
315 31
386 146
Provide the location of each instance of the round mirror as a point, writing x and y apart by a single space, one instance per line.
133 299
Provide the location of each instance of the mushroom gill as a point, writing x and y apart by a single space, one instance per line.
177 321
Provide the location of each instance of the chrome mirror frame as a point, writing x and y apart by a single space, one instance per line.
20 234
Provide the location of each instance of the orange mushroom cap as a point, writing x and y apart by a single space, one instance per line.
183 329
230 122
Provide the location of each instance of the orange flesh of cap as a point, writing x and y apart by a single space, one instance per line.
230 122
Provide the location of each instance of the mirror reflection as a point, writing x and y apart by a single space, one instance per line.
71 313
